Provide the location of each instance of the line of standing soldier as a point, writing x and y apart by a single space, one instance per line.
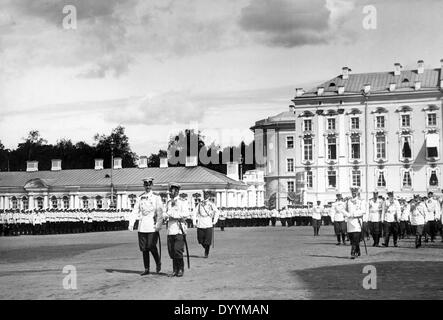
15 222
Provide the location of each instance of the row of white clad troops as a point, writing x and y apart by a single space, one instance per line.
301 215
15 222
383 218
245 217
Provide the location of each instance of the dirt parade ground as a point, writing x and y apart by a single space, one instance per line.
246 263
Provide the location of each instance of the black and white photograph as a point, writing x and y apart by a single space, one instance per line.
237 151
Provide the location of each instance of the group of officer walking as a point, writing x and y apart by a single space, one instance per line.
382 218
15 222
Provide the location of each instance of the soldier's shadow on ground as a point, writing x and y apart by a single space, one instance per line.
136 272
196 256
325 256
416 280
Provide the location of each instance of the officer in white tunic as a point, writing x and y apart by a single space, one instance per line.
205 217
375 218
355 210
432 217
148 209
337 212
177 210
418 210
391 215
316 217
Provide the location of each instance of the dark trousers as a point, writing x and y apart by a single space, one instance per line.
355 238
340 230
390 228
418 231
316 223
273 221
375 229
430 229
147 242
176 245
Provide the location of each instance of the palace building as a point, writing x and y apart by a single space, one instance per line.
379 131
92 188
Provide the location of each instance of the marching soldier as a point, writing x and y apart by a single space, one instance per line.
274 216
222 219
316 217
354 212
391 213
176 212
205 217
375 218
148 209
338 209
404 219
418 216
432 217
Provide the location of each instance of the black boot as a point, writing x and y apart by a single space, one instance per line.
181 267
174 268
145 263
338 240
207 250
343 238
353 252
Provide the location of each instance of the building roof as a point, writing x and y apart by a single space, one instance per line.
379 81
121 177
281 118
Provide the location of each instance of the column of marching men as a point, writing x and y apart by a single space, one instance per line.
15 222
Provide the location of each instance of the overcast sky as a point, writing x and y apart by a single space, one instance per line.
159 66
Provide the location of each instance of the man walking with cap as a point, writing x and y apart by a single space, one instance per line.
418 214
337 212
374 218
205 217
316 217
355 209
432 217
148 209
391 214
177 210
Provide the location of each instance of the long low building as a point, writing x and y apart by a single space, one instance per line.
92 188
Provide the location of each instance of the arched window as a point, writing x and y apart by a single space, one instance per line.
25 202
65 202
14 203
54 203
39 203
85 202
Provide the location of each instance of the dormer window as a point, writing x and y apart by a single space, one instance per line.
380 122
432 119
307 125
405 120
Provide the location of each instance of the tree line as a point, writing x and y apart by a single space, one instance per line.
81 155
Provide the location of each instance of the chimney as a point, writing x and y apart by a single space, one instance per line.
397 69
98 164
392 86
320 91
232 170
191 161
31 166
117 163
417 85
420 66
163 162
56 165
341 89
299 92
345 73
143 162
367 88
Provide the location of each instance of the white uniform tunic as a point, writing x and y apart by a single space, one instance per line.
433 211
391 210
177 210
375 210
316 212
354 214
418 214
205 215
338 210
148 209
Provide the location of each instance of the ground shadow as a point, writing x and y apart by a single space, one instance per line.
195 256
416 280
324 256
136 272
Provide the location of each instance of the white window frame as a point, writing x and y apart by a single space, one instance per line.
403 172
409 114
52 202
411 144
85 200
382 115
351 159
287 165
288 138
303 149
293 185
350 122
377 173
65 204
327 123
42 203
428 113
25 200
14 202
375 148
336 147
428 177
304 124
352 171
311 173
327 179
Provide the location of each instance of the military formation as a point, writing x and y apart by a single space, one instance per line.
385 217
16 222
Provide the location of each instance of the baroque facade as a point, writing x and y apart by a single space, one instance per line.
378 131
